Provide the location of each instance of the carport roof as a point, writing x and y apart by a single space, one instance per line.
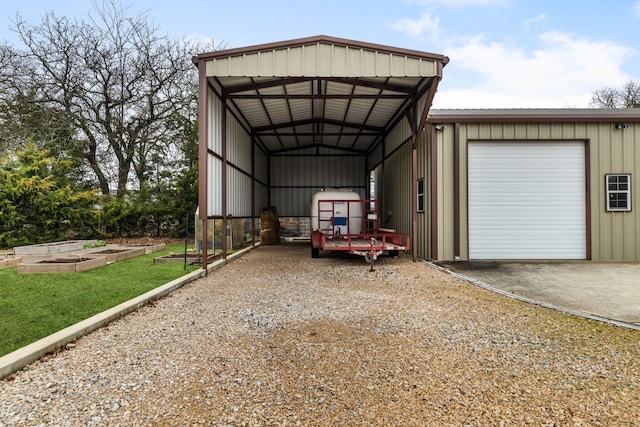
321 92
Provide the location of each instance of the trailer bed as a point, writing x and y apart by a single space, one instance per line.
360 244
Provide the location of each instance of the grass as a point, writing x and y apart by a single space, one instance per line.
33 306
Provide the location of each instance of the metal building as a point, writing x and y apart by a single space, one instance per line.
531 184
280 121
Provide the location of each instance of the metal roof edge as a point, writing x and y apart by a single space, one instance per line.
321 39
535 115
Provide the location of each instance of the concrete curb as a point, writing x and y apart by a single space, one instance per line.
13 362
579 313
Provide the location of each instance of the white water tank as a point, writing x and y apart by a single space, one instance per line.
336 211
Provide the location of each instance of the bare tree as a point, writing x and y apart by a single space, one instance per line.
117 79
628 96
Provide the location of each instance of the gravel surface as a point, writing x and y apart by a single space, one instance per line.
278 338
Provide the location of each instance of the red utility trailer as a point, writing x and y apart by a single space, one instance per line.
342 221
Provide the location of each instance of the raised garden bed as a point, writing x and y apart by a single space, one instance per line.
114 253
46 249
6 262
191 258
151 247
65 264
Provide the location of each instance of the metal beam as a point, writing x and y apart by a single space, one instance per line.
203 155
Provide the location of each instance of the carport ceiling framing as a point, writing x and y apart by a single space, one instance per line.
322 92
296 113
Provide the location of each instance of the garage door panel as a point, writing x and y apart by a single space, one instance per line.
527 200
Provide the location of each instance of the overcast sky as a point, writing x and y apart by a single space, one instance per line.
504 53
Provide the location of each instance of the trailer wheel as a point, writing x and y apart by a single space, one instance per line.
315 252
393 254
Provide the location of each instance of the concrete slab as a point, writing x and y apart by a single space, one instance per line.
598 289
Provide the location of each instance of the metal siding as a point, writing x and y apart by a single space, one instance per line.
320 59
398 190
398 135
239 145
446 192
261 166
526 200
375 158
215 124
262 198
424 217
238 193
614 236
214 175
295 178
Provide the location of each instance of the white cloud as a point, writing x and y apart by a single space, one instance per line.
528 23
414 28
564 72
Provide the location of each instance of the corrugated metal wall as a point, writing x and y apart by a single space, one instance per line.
424 218
320 59
398 190
239 165
615 236
295 178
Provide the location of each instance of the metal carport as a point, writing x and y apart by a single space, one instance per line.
278 121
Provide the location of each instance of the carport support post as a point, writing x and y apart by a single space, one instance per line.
203 156
223 126
418 128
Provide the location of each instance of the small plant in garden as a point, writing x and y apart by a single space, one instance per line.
97 244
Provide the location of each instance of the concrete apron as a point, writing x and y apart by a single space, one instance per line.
608 292
20 358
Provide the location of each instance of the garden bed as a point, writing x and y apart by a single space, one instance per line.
45 249
65 264
191 258
151 247
6 262
114 253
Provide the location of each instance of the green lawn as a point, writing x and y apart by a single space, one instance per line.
33 306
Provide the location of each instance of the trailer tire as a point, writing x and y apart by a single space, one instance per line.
393 254
315 252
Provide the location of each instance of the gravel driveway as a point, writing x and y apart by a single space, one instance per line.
278 338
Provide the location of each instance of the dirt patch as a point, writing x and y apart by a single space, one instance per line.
64 260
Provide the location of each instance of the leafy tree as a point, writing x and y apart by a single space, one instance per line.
116 78
628 96
39 202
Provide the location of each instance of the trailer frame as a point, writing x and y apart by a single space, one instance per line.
371 242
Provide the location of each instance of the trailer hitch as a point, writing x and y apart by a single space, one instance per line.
371 256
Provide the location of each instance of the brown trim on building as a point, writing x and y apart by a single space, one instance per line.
203 155
414 202
587 172
223 126
583 115
434 193
321 39
253 192
587 189
456 190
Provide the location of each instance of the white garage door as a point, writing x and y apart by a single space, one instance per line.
527 200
